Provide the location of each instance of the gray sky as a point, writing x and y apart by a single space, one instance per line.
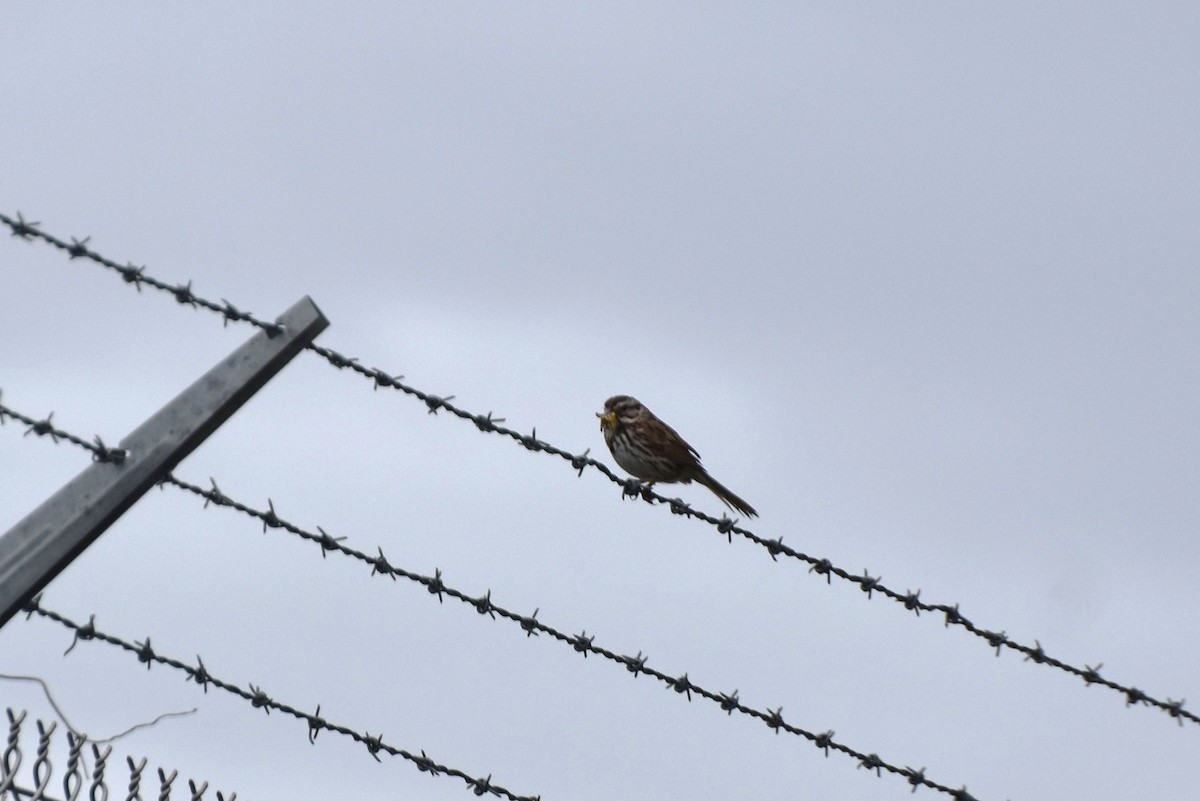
919 281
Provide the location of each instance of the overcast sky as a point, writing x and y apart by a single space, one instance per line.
920 281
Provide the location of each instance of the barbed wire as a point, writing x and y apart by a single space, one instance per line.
259 699
582 643
77 248
45 428
630 487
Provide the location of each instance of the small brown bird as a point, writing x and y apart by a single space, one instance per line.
649 449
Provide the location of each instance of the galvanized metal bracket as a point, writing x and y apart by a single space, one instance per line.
36 549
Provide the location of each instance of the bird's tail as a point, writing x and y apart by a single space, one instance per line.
728 498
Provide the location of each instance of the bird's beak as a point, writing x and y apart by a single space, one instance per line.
607 419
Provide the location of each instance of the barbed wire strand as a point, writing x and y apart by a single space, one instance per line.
259 699
952 614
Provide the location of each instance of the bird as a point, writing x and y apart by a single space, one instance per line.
649 449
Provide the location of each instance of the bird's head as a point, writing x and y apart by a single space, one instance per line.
619 410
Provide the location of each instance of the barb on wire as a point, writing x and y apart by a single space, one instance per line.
261 700
632 488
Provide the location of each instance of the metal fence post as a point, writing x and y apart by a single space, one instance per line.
49 538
